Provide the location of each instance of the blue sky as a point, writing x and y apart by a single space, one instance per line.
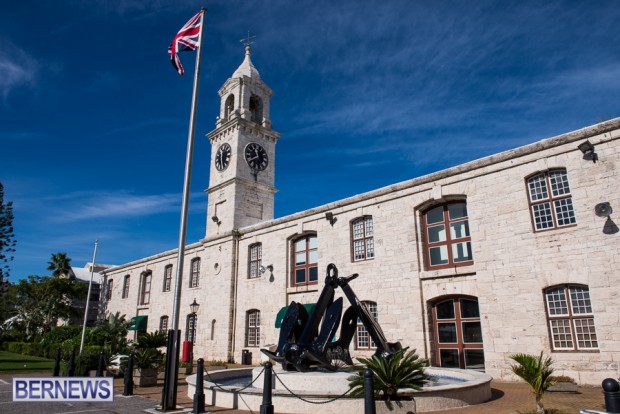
94 119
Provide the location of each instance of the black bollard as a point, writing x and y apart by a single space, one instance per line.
71 368
611 390
369 392
199 395
128 390
101 364
267 407
56 372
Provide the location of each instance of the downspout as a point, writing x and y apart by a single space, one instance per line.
233 295
420 286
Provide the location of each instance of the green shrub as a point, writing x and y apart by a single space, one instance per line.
62 334
25 348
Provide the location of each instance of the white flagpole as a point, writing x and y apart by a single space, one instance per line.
90 286
171 377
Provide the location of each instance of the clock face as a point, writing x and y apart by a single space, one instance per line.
256 156
222 157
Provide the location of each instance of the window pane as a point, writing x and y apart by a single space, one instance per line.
358 229
538 188
449 358
456 211
435 215
447 333
300 275
445 310
459 229
472 333
469 309
561 333
314 274
564 211
556 301
312 242
437 234
313 256
586 334
368 224
439 255
542 216
559 183
474 359
300 258
580 300
300 245
370 248
461 252
358 250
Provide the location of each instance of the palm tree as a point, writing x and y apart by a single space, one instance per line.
536 372
113 332
60 265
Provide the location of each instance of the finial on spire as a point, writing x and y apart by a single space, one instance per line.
248 41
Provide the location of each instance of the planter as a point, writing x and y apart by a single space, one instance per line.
563 387
145 377
396 407
186 370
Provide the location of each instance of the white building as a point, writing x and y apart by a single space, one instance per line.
468 265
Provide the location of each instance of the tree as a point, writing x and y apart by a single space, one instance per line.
60 264
42 300
7 240
113 331
536 372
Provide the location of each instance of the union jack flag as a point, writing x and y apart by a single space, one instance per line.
186 39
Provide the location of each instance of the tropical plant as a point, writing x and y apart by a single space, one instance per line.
403 369
113 332
60 264
536 371
148 358
156 339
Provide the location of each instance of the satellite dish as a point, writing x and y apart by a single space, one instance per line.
603 209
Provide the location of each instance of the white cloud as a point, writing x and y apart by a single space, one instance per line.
17 68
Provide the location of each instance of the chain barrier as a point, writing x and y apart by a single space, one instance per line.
310 401
233 389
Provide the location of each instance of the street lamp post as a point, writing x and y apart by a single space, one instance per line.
193 307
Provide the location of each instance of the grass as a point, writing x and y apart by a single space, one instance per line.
10 362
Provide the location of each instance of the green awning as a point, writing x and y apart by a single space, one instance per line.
280 316
139 323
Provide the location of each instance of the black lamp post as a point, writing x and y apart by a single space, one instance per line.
194 307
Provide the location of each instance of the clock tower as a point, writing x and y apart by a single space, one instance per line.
242 174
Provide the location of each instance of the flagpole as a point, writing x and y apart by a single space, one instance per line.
90 286
170 377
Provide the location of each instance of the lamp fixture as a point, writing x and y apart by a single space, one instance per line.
194 306
603 209
216 220
263 268
588 151
329 216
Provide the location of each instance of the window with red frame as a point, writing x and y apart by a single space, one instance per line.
446 236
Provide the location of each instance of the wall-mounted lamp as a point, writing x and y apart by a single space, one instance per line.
194 307
604 210
588 151
329 216
263 268
216 220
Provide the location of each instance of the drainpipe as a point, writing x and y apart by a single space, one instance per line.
233 294
423 312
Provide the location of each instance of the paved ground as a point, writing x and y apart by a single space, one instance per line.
507 398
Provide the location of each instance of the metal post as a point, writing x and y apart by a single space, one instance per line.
199 395
267 407
611 390
170 376
90 286
369 392
56 371
71 368
101 364
128 390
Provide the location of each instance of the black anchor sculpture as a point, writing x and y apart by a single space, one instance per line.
302 346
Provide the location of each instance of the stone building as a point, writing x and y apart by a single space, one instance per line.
510 253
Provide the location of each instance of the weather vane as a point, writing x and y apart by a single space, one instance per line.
248 40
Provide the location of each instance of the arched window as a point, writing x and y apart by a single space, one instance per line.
255 257
167 278
446 236
145 288
190 327
163 323
126 281
194 276
551 203
229 106
570 318
256 109
363 243
457 333
212 329
362 338
252 328
305 261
